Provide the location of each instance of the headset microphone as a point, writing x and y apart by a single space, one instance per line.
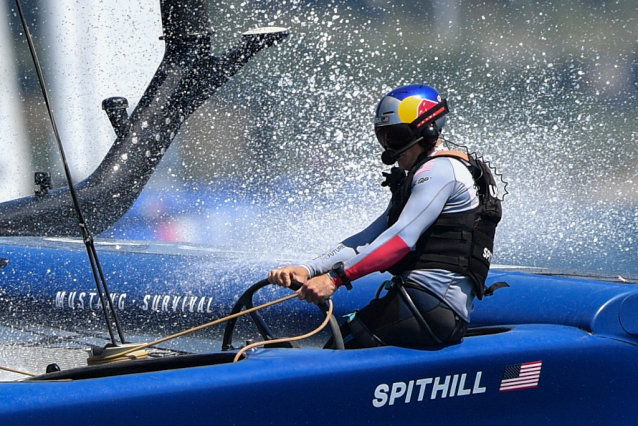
389 157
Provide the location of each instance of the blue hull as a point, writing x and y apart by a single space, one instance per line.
584 379
547 350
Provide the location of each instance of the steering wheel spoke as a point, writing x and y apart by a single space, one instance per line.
246 302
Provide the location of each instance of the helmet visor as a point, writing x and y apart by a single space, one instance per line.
395 136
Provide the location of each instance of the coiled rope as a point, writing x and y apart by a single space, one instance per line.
289 339
121 356
125 355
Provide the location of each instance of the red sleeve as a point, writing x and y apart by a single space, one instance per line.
379 260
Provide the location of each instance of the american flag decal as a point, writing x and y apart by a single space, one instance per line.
521 376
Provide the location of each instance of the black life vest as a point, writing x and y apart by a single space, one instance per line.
458 242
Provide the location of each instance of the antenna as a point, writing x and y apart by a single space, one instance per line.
98 274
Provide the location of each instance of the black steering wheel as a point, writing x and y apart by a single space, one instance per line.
246 301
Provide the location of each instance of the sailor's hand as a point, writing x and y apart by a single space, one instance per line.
317 290
284 276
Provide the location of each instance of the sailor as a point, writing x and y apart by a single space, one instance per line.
435 237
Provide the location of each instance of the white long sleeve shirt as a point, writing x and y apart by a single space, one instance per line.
441 185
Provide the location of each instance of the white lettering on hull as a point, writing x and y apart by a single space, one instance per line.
80 300
441 387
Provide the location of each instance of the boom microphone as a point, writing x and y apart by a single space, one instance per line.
389 157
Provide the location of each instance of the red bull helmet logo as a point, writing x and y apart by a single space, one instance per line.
406 104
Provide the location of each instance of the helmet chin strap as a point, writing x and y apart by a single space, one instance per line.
389 157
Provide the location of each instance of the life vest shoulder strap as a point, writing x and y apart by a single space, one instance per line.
454 154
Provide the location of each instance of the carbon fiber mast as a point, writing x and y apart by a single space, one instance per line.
187 76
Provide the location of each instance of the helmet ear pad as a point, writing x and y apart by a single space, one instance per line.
430 135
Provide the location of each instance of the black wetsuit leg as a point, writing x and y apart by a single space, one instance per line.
390 321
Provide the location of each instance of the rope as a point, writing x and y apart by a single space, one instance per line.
288 339
201 327
121 356
11 370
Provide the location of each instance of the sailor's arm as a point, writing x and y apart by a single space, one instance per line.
426 202
432 188
348 248
430 192
341 252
